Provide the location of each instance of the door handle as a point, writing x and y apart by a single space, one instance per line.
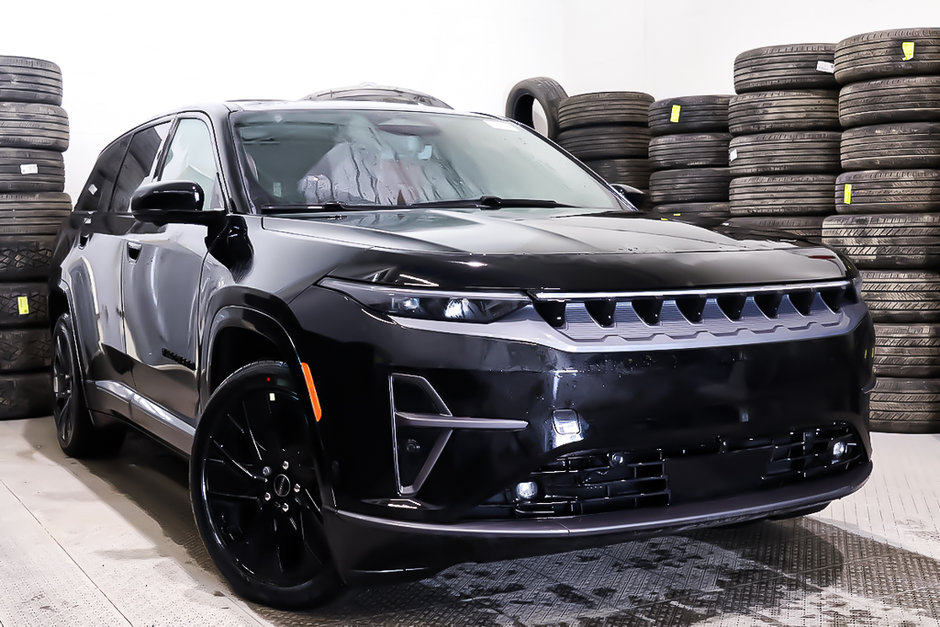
133 250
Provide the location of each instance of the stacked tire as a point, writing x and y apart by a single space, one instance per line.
608 132
688 156
546 92
33 135
784 151
888 200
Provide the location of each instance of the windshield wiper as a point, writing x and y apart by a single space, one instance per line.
490 202
483 202
333 205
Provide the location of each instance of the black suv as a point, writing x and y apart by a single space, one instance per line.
390 338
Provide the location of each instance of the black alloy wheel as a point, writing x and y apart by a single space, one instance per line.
76 434
63 373
255 491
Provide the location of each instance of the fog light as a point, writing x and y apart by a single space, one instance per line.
566 422
527 490
839 449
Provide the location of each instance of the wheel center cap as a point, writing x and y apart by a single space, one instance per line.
281 485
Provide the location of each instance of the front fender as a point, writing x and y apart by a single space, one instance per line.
277 325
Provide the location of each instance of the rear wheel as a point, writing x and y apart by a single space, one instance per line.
255 491
76 434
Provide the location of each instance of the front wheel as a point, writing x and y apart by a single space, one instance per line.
255 493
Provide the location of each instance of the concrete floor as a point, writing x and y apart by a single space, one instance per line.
113 543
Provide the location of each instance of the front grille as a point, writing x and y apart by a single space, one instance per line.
723 313
592 482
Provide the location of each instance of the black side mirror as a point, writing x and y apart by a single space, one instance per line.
636 197
172 202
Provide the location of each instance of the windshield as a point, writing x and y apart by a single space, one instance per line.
303 158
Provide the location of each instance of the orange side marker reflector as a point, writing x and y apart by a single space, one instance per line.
314 399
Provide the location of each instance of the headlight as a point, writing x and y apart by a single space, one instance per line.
431 304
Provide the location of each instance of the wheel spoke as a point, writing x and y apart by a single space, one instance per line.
61 351
246 432
267 440
230 496
222 476
311 533
230 461
257 550
65 408
306 501
65 432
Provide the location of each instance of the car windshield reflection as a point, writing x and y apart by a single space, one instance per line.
352 159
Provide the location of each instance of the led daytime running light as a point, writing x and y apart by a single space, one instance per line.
478 307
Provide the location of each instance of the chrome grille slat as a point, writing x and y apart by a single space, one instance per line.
638 317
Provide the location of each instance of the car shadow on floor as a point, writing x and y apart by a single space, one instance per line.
769 571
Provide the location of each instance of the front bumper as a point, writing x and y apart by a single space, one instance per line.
697 411
377 548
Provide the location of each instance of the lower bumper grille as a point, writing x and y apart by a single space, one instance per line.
807 454
602 481
588 483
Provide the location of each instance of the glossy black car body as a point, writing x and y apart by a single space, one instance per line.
660 377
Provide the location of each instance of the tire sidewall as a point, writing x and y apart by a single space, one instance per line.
523 95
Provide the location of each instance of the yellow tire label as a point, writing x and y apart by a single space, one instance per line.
847 194
22 303
907 48
674 114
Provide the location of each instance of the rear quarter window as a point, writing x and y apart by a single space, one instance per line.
97 191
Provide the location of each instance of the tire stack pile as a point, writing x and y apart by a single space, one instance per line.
888 200
689 158
784 151
33 135
607 131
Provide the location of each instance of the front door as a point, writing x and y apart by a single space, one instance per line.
161 285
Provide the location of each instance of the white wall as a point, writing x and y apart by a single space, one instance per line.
682 47
123 63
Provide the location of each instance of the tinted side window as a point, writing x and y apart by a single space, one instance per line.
100 184
137 165
191 157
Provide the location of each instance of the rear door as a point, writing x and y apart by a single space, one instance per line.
96 264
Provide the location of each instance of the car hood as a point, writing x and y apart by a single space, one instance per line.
553 249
